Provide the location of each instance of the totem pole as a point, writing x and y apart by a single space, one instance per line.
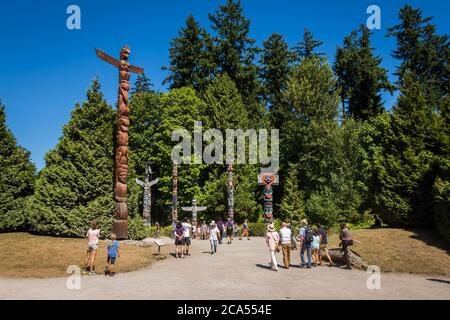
194 209
120 227
230 189
268 180
174 191
147 185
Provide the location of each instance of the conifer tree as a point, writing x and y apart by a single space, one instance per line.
16 179
76 185
360 76
142 85
292 207
422 52
307 47
191 60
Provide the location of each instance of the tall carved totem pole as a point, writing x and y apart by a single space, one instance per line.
120 227
230 189
268 180
147 185
174 191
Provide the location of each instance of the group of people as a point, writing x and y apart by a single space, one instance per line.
313 241
112 248
214 232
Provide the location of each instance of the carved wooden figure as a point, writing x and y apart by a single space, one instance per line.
120 227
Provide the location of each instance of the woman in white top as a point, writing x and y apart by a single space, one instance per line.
92 237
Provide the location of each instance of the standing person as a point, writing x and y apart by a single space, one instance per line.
305 238
214 234
230 229
158 229
179 240
187 236
315 245
203 229
235 231
285 235
194 232
272 240
220 227
324 245
113 253
92 238
346 241
244 231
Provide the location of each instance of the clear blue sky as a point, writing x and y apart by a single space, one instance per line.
46 68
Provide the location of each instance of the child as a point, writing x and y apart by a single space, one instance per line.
245 231
92 237
179 240
113 253
315 245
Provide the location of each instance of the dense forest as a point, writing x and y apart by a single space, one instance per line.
343 156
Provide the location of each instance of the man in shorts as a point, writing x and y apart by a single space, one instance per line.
187 236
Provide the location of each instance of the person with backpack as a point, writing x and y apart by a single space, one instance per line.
305 238
229 230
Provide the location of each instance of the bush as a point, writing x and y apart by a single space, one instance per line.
136 229
257 229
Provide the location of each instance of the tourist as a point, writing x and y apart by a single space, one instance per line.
346 241
230 229
324 246
221 230
305 238
272 240
113 254
194 231
315 246
245 231
187 236
204 230
199 231
235 230
179 240
285 235
158 229
92 237
214 235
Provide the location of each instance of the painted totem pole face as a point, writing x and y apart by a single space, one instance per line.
125 53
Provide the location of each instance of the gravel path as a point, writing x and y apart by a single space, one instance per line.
243 272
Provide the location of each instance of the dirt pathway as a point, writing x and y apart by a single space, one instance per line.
238 271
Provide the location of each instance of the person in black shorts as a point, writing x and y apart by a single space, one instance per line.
179 240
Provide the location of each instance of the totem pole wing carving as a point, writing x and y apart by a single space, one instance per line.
153 182
187 208
139 182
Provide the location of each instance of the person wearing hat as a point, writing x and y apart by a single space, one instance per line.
214 235
272 240
304 238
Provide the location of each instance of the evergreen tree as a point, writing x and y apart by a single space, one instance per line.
76 185
226 111
16 179
142 85
191 60
307 47
235 52
225 107
292 207
422 53
275 71
360 76
312 91
403 174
